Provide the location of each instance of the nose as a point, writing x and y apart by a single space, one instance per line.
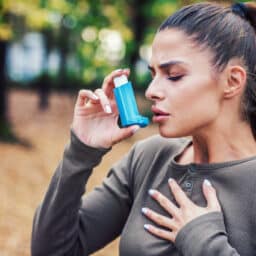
154 91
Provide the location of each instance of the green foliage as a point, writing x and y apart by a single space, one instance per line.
93 36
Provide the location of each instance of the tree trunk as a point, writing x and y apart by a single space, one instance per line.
6 133
139 22
3 97
63 48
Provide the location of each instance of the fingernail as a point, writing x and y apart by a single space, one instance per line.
95 97
118 70
135 129
207 182
146 226
108 109
171 180
144 210
151 192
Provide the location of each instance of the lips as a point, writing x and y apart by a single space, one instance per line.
158 112
159 115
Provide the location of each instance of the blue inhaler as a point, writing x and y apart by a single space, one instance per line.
126 103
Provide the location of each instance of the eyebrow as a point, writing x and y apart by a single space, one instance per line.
167 64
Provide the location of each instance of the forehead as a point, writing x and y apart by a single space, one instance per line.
172 44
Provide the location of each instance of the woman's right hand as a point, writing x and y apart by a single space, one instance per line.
95 115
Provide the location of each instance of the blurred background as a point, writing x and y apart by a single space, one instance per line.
49 49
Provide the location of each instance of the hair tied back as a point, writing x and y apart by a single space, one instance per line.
240 9
246 11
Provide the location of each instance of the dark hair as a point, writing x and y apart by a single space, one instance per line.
229 32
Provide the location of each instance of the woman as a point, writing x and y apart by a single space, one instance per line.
168 196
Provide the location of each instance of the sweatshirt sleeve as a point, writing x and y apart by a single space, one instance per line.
67 224
205 235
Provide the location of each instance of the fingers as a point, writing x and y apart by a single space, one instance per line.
179 216
125 133
108 84
104 101
84 96
211 196
164 202
179 195
102 94
158 218
167 235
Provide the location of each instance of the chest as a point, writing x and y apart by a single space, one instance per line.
236 201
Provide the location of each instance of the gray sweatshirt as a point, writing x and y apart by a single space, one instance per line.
66 224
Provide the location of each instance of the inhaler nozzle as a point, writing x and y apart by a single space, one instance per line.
120 80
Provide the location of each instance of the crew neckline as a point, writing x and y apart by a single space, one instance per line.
203 166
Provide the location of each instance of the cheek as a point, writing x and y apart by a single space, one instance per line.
201 95
202 106
193 108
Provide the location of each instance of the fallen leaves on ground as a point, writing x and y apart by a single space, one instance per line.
26 171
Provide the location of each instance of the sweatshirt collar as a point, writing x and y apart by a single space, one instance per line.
195 167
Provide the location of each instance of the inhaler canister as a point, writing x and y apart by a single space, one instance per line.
126 103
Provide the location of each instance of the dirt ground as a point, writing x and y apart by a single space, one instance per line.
26 172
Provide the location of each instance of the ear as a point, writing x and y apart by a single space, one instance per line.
236 81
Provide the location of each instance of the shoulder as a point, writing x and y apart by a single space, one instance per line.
155 151
157 144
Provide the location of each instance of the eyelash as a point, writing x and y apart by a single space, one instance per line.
175 78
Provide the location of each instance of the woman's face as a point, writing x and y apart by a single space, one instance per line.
186 96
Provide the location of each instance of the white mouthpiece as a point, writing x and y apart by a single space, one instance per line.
120 80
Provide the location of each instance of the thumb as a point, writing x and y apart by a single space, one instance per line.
211 196
125 133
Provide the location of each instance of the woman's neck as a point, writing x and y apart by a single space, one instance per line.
213 147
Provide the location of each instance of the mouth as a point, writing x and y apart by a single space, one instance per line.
159 115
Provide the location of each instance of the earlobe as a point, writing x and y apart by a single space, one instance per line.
236 81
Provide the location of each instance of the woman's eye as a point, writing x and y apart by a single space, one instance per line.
175 78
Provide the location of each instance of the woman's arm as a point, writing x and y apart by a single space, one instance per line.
64 224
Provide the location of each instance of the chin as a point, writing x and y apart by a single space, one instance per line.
172 133
166 133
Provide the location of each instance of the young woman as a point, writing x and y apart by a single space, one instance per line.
168 196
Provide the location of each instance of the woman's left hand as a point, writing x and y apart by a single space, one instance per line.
179 216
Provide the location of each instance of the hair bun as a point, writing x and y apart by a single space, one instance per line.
240 9
246 11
